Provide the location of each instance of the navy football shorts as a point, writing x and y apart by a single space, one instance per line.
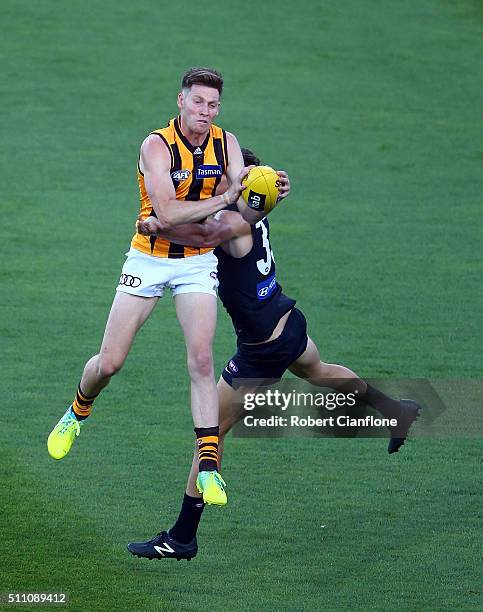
271 359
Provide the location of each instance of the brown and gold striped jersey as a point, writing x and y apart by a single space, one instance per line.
195 171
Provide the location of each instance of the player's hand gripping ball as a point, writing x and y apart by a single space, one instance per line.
261 188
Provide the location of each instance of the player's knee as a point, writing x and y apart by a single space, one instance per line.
315 371
200 363
109 366
323 370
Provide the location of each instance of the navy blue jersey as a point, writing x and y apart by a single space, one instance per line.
249 289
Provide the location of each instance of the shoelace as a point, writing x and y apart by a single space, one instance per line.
219 481
69 422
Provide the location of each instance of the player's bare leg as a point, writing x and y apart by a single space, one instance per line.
128 313
197 316
310 367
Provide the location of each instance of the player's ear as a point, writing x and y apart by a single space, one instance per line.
180 100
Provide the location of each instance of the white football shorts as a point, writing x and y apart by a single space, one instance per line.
147 276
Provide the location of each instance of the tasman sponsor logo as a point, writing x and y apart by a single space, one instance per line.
208 171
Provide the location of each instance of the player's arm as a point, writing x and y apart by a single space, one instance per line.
155 163
227 226
235 162
188 234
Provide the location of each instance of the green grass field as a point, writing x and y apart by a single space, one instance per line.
374 108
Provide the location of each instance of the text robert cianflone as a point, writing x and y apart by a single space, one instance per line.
279 399
342 420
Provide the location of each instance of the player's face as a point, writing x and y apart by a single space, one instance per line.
198 106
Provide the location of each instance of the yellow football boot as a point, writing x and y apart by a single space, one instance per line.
63 435
212 486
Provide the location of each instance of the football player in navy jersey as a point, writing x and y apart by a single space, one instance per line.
271 338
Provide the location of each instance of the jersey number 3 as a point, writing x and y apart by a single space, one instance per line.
265 265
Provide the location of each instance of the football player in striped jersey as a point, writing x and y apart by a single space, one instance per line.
179 170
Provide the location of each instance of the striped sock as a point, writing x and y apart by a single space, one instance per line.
82 404
207 440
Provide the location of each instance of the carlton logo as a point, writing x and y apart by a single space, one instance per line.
205 171
180 175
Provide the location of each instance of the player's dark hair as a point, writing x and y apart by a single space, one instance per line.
249 158
202 76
